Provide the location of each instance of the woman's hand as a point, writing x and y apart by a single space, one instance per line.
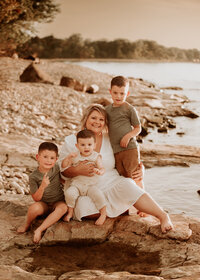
86 169
139 173
83 168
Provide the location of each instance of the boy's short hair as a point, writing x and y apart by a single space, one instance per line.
119 81
48 146
85 133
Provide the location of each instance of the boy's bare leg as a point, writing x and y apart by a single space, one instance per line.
34 210
69 215
100 221
59 210
147 205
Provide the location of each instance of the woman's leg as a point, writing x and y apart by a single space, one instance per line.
147 205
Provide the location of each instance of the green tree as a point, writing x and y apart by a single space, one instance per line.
17 18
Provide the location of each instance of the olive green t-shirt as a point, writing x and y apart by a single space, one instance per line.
53 192
121 120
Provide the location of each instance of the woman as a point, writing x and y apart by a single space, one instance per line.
120 193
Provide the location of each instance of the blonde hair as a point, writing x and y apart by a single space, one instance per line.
88 111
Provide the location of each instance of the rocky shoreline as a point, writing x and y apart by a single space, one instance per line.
35 112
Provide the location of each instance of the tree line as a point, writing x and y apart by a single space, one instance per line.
76 47
17 18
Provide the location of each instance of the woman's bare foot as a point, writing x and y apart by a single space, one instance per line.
166 223
37 236
67 218
100 221
22 228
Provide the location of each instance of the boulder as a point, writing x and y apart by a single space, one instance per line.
92 89
34 74
127 247
72 83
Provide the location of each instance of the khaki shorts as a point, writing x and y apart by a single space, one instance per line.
127 161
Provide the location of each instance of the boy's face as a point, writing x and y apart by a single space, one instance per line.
86 146
119 95
46 160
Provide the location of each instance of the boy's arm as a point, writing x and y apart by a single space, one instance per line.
37 196
99 170
133 133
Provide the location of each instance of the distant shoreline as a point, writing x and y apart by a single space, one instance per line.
116 60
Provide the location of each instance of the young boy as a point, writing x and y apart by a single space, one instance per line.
46 190
84 185
124 126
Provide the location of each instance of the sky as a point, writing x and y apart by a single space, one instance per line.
171 23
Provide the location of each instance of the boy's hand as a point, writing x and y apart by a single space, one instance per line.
124 141
45 181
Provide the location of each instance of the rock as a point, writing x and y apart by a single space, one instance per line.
172 88
162 129
144 132
72 83
12 272
158 155
147 253
157 104
190 114
34 74
17 187
180 133
158 120
102 275
92 89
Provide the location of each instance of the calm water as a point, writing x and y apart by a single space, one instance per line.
185 75
175 188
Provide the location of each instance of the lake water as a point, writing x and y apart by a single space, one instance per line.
175 188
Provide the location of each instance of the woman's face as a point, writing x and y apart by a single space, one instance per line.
95 122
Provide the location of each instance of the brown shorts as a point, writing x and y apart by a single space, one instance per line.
127 161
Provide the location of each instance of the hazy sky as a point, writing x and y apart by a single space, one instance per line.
172 23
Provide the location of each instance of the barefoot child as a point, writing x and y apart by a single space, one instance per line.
84 185
46 190
124 126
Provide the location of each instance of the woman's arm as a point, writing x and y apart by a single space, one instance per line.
139 173
83 168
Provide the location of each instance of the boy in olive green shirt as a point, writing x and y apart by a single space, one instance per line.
124 126
46 190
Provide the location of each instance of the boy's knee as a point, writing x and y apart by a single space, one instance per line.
64 207
61 208
37 208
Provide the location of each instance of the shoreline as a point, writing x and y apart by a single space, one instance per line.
116 60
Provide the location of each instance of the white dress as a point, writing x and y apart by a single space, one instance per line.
120 192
